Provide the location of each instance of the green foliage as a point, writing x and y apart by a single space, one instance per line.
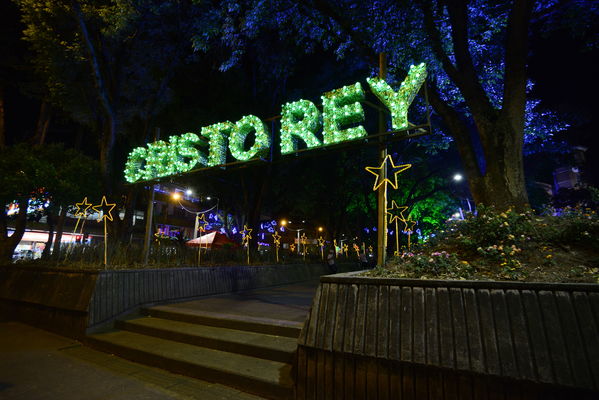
23 171
567 226
138 45
509 245
489 228
438 265
63 174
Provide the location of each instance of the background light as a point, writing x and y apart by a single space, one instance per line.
458 177
176 196
189 192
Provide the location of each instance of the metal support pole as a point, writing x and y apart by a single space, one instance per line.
298 242
382 191
150 215
195 228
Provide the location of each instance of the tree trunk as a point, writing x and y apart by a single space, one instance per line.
59 229
109 128
123 227
106 153
503 183
9 243
43 121
47 249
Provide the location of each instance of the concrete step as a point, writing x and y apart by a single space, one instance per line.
270 379
260 345
231 321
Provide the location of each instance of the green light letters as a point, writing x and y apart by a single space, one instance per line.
300 120
217 136
242 128
399 102
342 107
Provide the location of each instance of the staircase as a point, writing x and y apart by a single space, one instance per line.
252 354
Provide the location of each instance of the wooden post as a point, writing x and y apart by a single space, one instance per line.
382 191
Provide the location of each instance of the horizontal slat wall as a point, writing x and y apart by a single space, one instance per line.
331 375
509 331
117 291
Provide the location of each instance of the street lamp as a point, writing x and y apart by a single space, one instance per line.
458 178
177 196
284 223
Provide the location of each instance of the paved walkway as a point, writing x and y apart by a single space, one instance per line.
289 302
36 364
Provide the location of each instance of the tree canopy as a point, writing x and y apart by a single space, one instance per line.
476 54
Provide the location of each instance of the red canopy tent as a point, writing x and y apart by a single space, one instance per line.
212 240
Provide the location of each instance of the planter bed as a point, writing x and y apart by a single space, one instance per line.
450 337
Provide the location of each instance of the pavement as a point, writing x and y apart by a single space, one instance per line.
288 302
36 364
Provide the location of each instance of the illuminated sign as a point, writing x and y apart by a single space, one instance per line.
300 121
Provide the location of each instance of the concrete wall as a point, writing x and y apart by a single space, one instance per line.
496 338
69 301
118 292
54 300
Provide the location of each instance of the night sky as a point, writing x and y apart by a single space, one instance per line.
563 69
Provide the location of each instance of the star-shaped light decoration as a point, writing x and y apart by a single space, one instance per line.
202 223
82 208
106 209
396 212
292 247
345 248
246 234
304 238
370 249
391 169
321 241
410 223
276 238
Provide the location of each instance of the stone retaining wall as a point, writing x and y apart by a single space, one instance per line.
543 338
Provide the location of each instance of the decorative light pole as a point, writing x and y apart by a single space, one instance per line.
284 223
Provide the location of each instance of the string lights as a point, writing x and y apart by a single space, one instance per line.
106 208
395 213
276 238
304 240
299 120
342 107
321 243
399 102
82 208
135 165
381 178
183 153
245 241
242 128
217 141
